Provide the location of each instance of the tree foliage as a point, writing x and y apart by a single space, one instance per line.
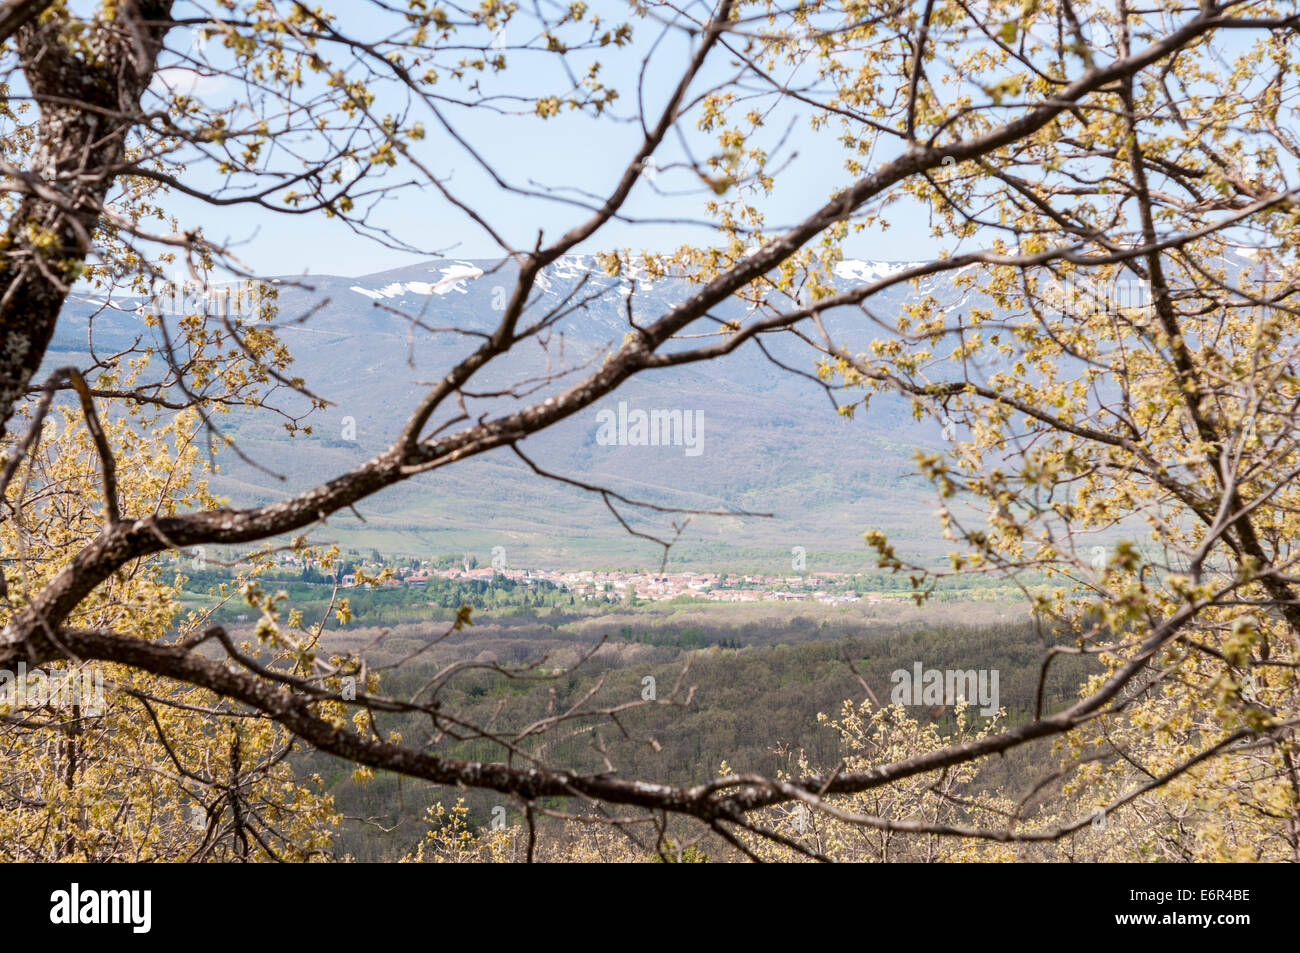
1056 149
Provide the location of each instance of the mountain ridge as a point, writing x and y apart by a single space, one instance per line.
772 442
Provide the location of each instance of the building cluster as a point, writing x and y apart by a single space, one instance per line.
618 586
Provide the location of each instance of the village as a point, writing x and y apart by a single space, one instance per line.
620 586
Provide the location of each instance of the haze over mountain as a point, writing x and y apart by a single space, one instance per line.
771 441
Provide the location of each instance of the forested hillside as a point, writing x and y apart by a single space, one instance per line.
760 676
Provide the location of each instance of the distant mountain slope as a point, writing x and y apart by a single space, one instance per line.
771 441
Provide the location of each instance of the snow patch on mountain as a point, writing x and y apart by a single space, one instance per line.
453 279
856 269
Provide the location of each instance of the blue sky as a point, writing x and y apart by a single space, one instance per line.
573 151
